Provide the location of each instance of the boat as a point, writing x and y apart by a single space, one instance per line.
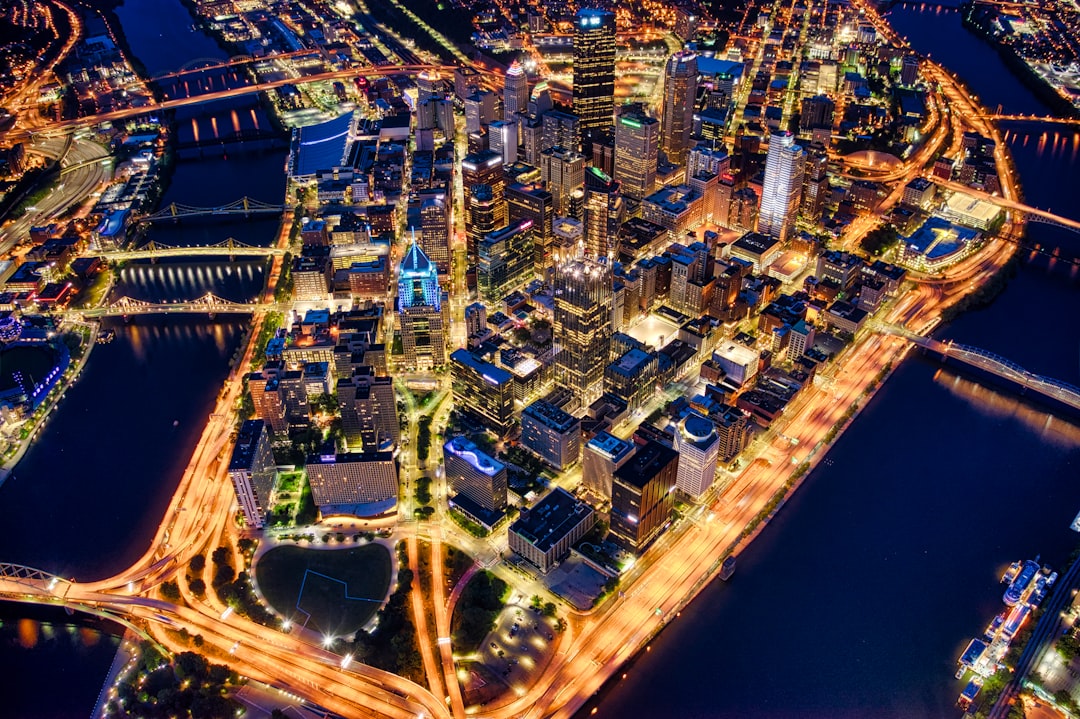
1011 572
106 336
992 628
1020 583
970 692
727 568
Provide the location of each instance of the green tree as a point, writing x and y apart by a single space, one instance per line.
197 564
170 591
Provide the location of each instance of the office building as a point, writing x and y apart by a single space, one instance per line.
310 277
369 418
485 168
421 311
503 139
733 432
582 326
738 362
605 212
480 110
563 173
483 390
252 470
533 203
637 139
594 68
360 484
909 70
505 259
560 129
515 92
435 232
698 445
475 319
473 474
817 112
480 210
642 495
815 184
544 533
780 193
601 456
551 434
632 377
680 99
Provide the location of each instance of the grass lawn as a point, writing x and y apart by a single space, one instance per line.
334 586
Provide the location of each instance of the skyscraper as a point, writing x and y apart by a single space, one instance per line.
680 97
515 92
503 139
505 259
480 208
604 213
435 232
251 470
475 474
533 202
563 172
560 129
636 143
594 67
421 311
698 446
583 326
782 189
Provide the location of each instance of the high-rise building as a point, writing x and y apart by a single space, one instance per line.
251 470
781 191
435 232
361 484
533 202
482 390
636 143
642 496
560 129
733 430
480 210
604 213
503 139
515 92
475 318
563 172
680 99
594 67
480 110
421 311
909 70
698 446
602 455
815 183
474 474
816 112
583 326
485 168
505 260
368 408
551 434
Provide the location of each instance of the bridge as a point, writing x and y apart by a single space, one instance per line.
1033 214
1058 394
64 126
245 206
153 250
1004 117
207 304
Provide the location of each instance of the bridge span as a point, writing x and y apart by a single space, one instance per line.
153 250
1034 214
1051 392
207 304
245 206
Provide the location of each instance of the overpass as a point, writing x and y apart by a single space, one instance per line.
245 206
1033 214
207 304
1055 393
64 126
153 250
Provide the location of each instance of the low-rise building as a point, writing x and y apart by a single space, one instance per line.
544 533
362 484
551 433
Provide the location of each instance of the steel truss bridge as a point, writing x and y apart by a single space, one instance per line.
1028 382
245 207
207 304
226 248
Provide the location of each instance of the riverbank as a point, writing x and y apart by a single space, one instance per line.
1019 67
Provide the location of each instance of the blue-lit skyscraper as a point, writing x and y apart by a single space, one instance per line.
782 189
421 311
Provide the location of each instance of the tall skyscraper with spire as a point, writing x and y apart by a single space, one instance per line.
515 92
782 188
422 311
594 68
680 97
584 300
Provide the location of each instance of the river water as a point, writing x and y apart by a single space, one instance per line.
857 600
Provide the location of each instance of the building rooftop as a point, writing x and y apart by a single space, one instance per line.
646 463
551 519
493 374
467 450
610 446
246 443
756 243
550 416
